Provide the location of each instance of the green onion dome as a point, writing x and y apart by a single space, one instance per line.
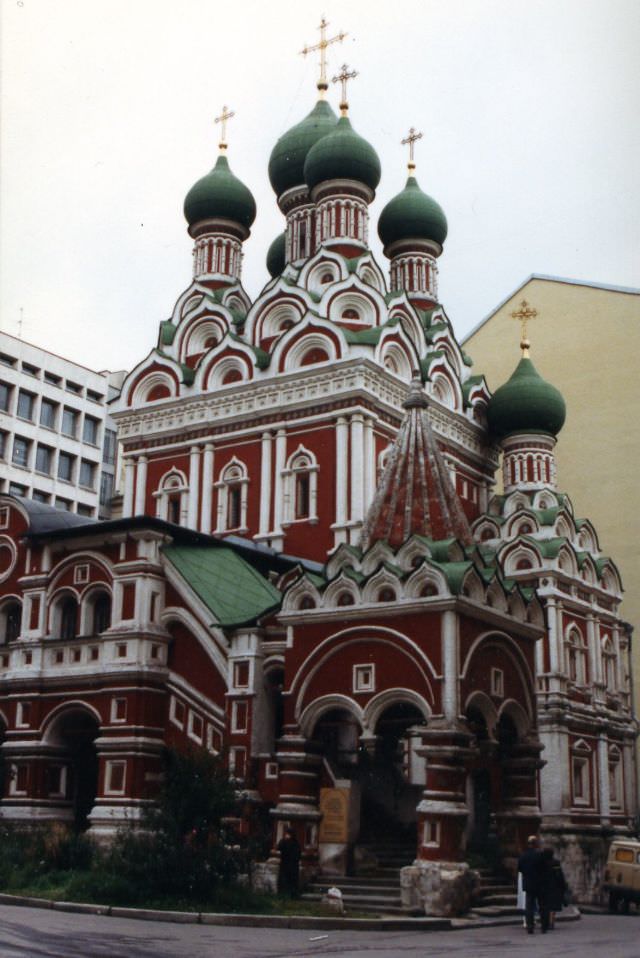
220 195
286 163
342 155
412 215
276 260
526 403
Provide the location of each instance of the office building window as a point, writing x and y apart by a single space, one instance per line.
25 405
3 444
65 466
63 504
69 422
72 387
90 430
16 489
109 447
5 396
52 379
48 414
87 470
39 496
20 451
29 369
106 488
43 460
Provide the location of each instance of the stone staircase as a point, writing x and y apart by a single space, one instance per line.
374 888
496 895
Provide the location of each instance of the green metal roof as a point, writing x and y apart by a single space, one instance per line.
412 214
233 591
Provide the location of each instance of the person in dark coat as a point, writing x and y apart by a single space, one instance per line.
289 870
532 865
555 885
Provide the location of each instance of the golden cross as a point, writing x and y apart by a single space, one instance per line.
411 139
342 78
322 47
224 116
524 315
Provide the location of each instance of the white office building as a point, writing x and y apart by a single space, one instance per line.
57 442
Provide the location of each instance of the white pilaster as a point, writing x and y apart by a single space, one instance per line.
207 488
357 457
450 691
603 779
127 501
281 459
369 465
265 484
141 486
194 487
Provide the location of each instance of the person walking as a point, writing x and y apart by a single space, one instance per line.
555 885
532 866
289 870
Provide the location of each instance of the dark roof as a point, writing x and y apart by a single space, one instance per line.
46 519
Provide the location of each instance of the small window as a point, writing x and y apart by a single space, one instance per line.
109 447
307 602
241 675
196 727
29 369
63 504
121 650
25 405
72 387
345 598
239 717
497 683
21 449
234 507
177 712
115 776
52 379
5 397
364 678
303 498
101 613
118 710
94 397
3 443
386 595
48 412
87 474
39 496
81 574
12 621
69 422
17 489
65 466
90 430
43 460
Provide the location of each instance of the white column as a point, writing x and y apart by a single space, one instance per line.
194 487
357 450
127 502
281 459
552 632
369 465
207 489
341 470
141 486
265 484
450 692
603 779
595 660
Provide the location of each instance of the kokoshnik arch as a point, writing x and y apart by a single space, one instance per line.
310 572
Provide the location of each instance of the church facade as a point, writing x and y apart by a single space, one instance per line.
311 573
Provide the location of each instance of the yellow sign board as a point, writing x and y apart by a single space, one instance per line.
334 806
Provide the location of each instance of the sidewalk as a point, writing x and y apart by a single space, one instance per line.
280 921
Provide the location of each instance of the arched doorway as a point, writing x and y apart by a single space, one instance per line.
3 763
73 770
392 776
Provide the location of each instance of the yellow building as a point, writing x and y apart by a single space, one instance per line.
586 342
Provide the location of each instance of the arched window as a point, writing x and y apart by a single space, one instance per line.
101 613
171 497
326 278
307 602
386 594
609 665
300 486
576 658
350 314
233 490
69 618
12 616
345 598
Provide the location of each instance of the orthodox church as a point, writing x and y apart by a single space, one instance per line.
312 573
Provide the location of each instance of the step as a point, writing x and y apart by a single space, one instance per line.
493 911
497 889
507 900
355 901
353 881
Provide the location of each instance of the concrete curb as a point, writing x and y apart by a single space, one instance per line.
328 923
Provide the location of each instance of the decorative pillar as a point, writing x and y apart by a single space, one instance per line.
443 812
194 487
207 488
604 796
265 485
342 427
357 451
450 688
281 460
127 502
369 464
141 486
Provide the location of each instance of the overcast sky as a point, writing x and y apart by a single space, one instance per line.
529 110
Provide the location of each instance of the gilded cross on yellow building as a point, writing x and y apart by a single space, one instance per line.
411 139
343 77
524 314
224 116
323 86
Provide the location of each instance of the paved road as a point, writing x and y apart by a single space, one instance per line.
36 933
